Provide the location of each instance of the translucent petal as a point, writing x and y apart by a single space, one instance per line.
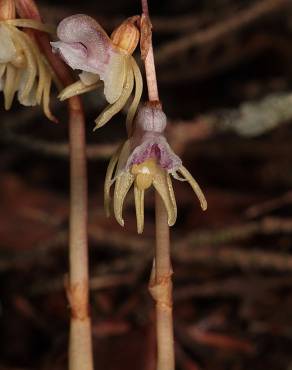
40 91
7 49
123 184
10 85
139 205
77 88
163 185
115 76
137 97
124 180
29 76
46 99
89 78
74 54
2 72
42 71
29 100
195 186
124 154
109 180
84 44
113 109
31 23
55 78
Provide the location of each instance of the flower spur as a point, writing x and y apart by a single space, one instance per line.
84 45
146 159
23 68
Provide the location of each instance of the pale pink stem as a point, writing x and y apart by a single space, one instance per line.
80 343
160 282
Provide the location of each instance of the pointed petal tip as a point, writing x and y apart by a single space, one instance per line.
120 221
53 119
99 122
62 97
171 221
195 186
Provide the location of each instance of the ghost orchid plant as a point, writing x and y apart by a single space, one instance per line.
84 45
144 160
23 67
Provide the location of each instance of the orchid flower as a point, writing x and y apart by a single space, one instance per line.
85 46
146 159
23 68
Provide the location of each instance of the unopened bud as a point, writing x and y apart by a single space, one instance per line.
7 9
127 35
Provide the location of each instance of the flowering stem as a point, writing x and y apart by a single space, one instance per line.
160 282
80 345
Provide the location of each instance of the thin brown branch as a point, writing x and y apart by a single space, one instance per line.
58 150
204 65
249 119
257 210
203 245
244 286
163 25
218 31
233 257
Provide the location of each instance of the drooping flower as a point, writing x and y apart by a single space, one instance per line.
85 46
23 68
144 160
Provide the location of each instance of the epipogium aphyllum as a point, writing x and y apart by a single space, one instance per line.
104 61
146 159
23 67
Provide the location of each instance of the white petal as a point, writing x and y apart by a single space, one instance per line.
89 78
7 49
2 71
74 54
29 100
115 76
83 44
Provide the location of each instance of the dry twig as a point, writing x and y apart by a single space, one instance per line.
218 31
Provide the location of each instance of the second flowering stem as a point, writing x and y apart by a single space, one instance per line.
80 342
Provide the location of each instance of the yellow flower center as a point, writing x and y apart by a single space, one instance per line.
144 173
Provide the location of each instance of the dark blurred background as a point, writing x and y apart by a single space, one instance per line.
225 77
